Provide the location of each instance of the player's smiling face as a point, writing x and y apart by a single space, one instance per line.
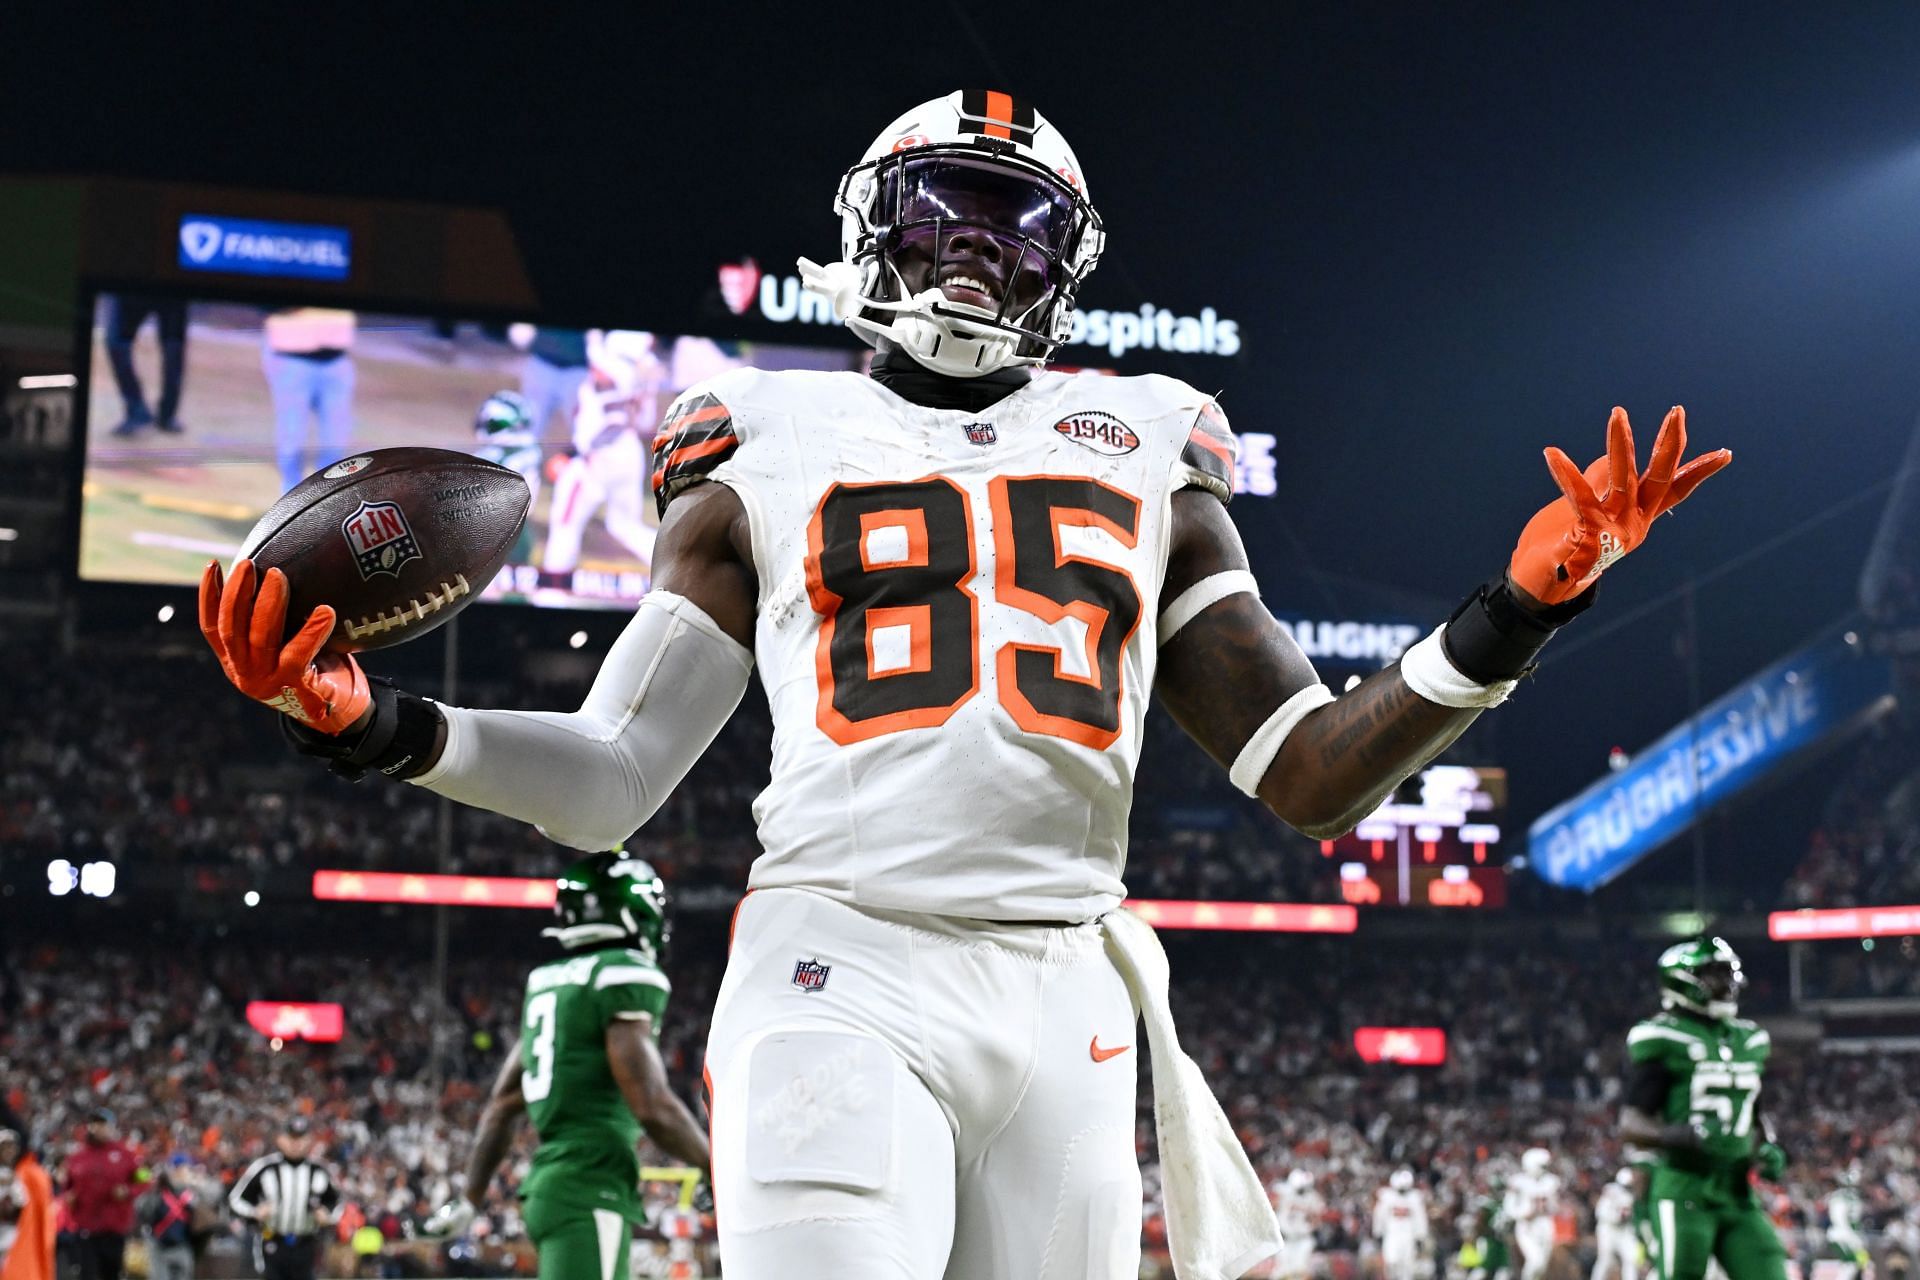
975 267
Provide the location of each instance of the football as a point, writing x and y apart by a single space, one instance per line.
396 540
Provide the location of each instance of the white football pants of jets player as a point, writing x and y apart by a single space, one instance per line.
904 1096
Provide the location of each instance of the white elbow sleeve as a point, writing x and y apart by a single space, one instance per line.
588 778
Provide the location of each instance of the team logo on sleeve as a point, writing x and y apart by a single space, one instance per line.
381 539
1100 432
980 433
810 975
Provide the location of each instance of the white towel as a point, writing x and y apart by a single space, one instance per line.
1219 1221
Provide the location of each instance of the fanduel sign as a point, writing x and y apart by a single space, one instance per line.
783 300
1728 747
254 248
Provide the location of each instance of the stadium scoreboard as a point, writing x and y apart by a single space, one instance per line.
1434 843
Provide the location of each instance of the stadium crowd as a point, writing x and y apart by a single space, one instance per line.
1535 1029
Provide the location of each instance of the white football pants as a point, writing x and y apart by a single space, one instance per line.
612 477
1617 1255
905 1097
1296 1256
1400 1257
1535 1238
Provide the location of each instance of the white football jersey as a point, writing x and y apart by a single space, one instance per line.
1531 1196
1400 1215
1299 1212
958 623
1614 1207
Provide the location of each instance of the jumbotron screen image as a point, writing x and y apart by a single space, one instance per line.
201 413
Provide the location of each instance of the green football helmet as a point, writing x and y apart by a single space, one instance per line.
504 419
1703 976
611 897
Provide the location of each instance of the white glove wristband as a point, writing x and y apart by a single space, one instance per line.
1427 672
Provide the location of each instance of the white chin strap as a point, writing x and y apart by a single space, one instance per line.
941 343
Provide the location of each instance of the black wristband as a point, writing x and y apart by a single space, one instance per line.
1491 637
396 741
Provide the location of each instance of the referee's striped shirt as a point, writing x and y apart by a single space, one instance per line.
293 1188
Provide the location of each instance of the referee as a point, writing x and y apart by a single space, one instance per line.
290 1199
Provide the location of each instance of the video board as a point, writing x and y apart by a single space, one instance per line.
201 413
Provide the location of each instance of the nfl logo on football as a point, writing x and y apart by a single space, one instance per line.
380 537
980 433
810 975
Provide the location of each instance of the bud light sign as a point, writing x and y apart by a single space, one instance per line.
249 247
1729 746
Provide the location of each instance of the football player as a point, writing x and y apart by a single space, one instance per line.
961 578
1616 1243
1846 1253
1694 1074
587 1072
1485 1253
1300 1210
503 433
1533 1197
1400 1225
606 470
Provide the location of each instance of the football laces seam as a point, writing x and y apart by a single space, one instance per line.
412 611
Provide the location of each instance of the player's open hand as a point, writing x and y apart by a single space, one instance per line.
326 692
1605 511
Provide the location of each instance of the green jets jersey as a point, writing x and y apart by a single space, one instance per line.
587 1156
1714 1073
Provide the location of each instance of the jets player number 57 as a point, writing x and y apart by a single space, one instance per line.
960 578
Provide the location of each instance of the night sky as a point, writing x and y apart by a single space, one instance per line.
1449 239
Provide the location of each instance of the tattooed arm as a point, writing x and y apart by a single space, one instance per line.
1223 674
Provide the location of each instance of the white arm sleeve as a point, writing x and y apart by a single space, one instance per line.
589 778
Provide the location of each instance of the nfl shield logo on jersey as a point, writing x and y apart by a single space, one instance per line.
980 433
381 539
810 975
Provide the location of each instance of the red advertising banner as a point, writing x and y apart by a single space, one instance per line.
453 891
1408 1046
512 891
1844 922
289 1020
1249 917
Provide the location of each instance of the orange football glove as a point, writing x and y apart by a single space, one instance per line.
1607 509
326 692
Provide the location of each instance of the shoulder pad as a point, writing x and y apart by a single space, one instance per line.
627 968
696 436
1210 452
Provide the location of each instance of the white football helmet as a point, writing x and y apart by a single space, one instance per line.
1299 1180
1402 1180
979 189
1624 1177
1536 1159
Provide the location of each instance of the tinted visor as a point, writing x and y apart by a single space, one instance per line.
1721 980
1014 207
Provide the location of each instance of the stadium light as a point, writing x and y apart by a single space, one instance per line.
166 613
48 382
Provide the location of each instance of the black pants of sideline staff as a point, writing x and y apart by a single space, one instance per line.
289 1257
98 1255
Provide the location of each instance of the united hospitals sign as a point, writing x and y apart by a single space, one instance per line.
782 300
